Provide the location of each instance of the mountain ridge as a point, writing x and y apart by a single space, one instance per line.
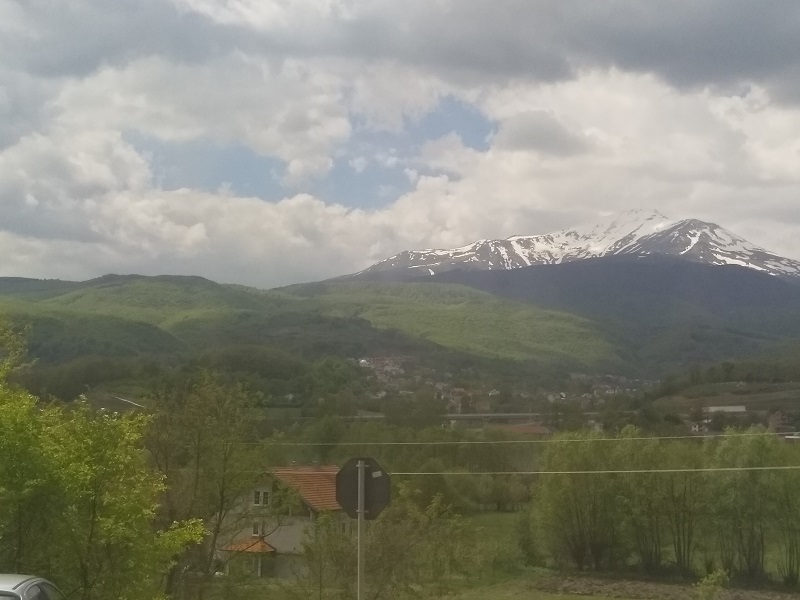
635 232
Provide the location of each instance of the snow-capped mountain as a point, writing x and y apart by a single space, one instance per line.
633 232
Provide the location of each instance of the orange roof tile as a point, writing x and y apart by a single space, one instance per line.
256 545
316 485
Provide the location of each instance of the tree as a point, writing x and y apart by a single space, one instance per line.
579 513
406 547
525 537
12 350
642 495
106 507
686 500
28 481
743 506
200 440
787 519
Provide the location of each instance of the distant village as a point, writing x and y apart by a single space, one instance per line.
531 411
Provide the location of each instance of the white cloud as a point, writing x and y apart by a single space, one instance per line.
584 126
86 203
292 111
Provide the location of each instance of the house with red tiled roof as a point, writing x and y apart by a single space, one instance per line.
274 516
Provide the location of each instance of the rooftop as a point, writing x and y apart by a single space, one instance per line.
315 484
256 545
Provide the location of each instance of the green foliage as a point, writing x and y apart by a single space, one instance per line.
580 515
711 586
744 509
432 449
106 506
77 500
69 380
407 548
202 441
12 350
77 480
526 540
656 516
642 498
414 412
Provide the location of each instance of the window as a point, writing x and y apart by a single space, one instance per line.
256 528
260 497
35 593
52 592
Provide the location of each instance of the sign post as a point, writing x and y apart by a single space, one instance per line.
363 490
361 467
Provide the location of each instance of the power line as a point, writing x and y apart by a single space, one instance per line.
267 442
609 471
268 470
501 442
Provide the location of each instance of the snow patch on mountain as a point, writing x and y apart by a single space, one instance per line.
634 232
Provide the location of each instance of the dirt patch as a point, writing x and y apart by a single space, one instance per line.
641 590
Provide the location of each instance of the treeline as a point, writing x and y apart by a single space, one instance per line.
730 513
778 369
431 449
266 371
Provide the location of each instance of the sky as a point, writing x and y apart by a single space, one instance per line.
269 142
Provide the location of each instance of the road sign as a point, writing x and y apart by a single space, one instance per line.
377 488
363 490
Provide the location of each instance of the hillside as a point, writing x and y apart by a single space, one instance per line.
626 315
666 312
130 316
467 320
132 327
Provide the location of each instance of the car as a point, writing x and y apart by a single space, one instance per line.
27 587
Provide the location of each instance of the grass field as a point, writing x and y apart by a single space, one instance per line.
516 590
755 396
509 590
496 526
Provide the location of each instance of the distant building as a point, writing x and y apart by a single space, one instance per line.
699 427
740 410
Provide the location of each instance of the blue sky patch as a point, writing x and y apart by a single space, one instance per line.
207 165
453 115
370 172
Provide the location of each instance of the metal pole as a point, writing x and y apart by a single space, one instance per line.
361 468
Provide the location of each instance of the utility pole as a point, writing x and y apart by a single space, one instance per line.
361 468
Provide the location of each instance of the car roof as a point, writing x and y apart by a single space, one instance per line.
9 581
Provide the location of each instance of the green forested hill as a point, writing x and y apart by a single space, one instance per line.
84 327
188 314
170 320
